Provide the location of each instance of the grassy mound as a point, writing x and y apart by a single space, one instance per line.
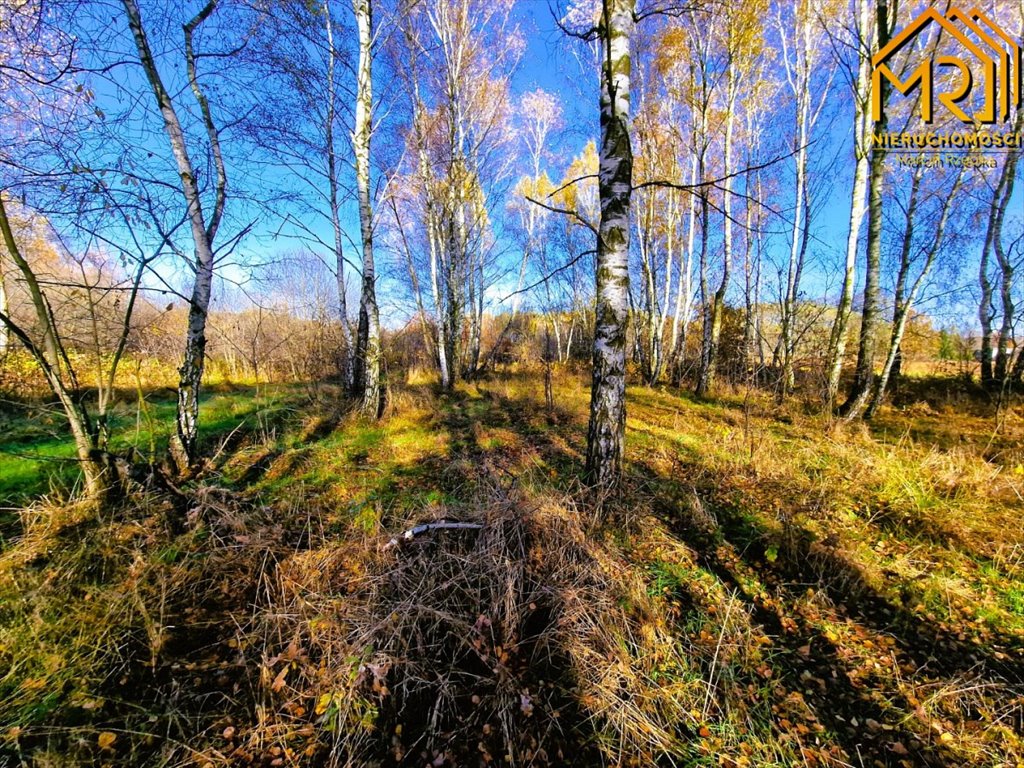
527 642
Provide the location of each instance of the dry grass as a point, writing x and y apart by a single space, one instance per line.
105 617
529 642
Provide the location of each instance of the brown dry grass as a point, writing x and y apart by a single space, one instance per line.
530 642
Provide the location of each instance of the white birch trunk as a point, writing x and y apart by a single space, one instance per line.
714 327
5 308
798 73
858 196
864 374
606 431
367 362
904 301
55 367
335 202
185 442
1003 259
684 293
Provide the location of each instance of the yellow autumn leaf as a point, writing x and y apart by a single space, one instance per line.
106 739
323 703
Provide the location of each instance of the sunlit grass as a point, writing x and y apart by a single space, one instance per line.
768 547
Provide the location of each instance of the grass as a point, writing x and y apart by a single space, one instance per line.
37 455
772 589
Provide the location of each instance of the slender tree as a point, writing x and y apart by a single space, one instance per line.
184 443
87 309
907 285
861 88
459 97
52 358
994 245
606 431
864 376
5 305
801 59
334 189
367 360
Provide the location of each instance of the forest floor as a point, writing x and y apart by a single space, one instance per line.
770 589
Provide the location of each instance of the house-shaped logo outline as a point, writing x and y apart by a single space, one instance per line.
1014 52
924 73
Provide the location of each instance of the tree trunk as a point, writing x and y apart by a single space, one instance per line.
606 431
904 298
747 352
367 362
684 293
1006 267
432 224
861 124
335 202
646 342
864 375
670 241
705 371
1017 374
5 308
718 304
184 444
53 362
798 241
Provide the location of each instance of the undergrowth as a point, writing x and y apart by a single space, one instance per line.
770 589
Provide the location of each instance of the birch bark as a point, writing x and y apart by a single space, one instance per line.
864 376
606 431
904 298
713 324
55 367
861 137
1006 267
334 200
367 360
184 444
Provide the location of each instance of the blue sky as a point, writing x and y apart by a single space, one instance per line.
548 62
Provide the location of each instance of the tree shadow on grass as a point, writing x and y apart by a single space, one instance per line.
544 441
771 571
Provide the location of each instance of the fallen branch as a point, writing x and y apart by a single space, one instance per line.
422 528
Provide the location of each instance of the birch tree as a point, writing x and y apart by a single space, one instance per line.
994 245
5 307
863 45
50 354
864 375
460 54
75 322
657 224
801 57
300 52
607 427
203 226
755 113
367 359
540 115
567 285
702 77
334 190
672 59
60 297
907 284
